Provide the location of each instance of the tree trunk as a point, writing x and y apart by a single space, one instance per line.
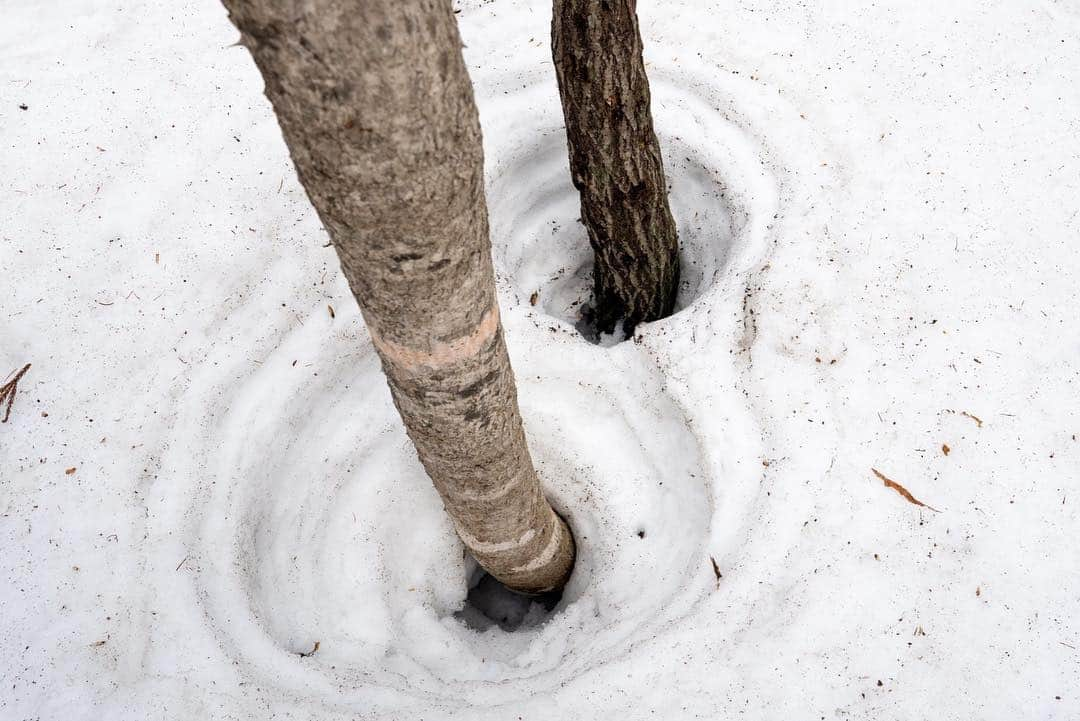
377 109
615 161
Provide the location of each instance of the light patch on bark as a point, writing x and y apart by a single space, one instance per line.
441 354
546 555
483 547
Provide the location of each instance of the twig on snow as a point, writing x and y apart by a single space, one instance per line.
7 392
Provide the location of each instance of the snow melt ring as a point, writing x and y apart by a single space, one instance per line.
309 519
722 194
316 523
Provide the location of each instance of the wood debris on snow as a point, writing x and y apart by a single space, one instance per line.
978 421
716 571
7 392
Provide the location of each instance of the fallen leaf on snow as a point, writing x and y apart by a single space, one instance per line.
889 483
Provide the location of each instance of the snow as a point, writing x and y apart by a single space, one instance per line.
879 206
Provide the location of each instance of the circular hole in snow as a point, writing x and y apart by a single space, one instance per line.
489 603
543 247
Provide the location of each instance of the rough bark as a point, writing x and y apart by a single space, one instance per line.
377 109
615 160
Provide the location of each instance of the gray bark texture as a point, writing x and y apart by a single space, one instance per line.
377 110
615 161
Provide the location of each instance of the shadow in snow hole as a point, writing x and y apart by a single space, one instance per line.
489 603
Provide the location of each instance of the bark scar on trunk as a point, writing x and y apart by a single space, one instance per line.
441 353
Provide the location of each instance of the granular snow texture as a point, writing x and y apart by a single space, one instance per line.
203 478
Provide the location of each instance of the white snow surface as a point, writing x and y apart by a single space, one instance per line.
878 205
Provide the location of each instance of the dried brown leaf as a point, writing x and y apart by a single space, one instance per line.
889 483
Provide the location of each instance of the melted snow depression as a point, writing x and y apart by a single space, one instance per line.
209 507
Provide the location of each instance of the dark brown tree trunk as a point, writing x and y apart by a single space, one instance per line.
615 161
377 110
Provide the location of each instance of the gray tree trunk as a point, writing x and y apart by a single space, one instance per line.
377 109
615 161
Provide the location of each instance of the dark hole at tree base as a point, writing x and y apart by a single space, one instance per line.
490 603
587 326
587 322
